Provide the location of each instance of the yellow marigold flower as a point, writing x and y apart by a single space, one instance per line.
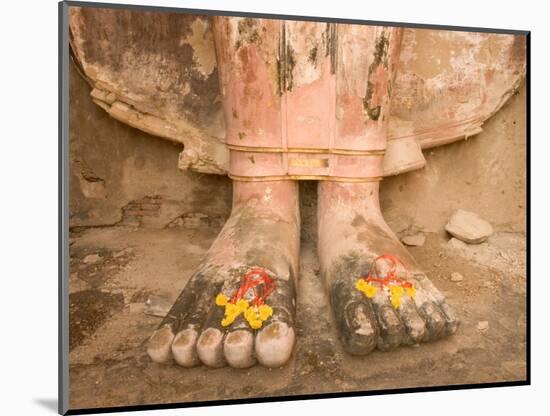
231 309
366 288
411 291
252 317
221 300
265 311
242 305
397 290
370 291
255 324
361 285
227 321
395 300
250 314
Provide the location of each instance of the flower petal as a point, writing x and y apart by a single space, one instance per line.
221 300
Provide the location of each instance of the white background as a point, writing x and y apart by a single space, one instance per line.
28 204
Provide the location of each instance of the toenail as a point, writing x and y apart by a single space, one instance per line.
183 338
235 337
161 337
208 337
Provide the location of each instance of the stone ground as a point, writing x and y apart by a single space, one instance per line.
109 365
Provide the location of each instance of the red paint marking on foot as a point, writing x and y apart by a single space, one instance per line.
391 278
249 282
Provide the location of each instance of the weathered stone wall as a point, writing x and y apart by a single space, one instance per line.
485 174
119 174
122 175
158 72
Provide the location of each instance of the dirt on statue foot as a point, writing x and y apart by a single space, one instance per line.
380 299
238 307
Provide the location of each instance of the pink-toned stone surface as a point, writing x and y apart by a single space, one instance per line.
291 87
157 72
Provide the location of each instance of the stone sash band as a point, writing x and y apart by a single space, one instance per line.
261 164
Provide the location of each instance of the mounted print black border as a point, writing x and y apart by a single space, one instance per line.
63 211
63 208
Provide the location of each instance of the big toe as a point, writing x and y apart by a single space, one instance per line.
360 331
354 318
274 344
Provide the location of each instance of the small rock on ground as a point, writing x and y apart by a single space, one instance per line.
136 307
483 325
121 253
91 258
414 240
468 227
455 243
456 277
157 306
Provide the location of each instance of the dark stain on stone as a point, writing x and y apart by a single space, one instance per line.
234 113
290 64
381 50
241 135
358 221
96 274
88 310
280 78
150 31
373 113
109 34
201 103
248 32
380 58
313 55
285 63
252 160
331 44
281 60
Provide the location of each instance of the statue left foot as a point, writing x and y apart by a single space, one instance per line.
379 297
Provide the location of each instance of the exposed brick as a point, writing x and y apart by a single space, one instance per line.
134 211
150 206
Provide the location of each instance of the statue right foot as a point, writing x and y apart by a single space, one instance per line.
221 318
